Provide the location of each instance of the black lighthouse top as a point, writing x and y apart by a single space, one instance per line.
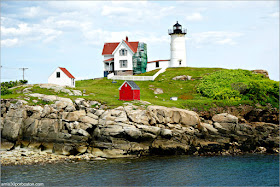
177 29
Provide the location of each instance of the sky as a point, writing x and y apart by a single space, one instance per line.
44 35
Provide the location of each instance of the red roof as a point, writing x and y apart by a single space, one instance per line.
108 60
110 47
67 72
158 61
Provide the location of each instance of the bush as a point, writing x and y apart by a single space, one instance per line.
23 81
240 85
6 85
5 90
227 94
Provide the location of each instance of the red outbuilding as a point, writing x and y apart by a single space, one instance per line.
129 90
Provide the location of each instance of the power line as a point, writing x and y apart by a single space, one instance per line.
4 67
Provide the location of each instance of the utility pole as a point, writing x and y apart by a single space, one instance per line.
23 72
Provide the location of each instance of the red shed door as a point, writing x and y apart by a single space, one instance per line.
136 94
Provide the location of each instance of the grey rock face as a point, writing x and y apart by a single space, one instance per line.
130 130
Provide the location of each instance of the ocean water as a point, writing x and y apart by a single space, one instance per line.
245 170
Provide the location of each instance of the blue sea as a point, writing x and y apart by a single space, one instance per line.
245 170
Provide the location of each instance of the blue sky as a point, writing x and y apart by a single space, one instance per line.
42 35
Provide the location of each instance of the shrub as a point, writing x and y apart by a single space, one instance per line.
23 81
6 85
240 84
227 94
5 90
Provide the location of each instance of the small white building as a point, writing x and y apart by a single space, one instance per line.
177 50
157 64
61 76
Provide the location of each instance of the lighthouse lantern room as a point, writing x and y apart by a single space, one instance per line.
177 46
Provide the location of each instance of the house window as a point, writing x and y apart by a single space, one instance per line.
157 64
180 62
57 74
73 82
123 63
123 52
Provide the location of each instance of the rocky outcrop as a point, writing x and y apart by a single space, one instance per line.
245 113
58 88
261 71
84 127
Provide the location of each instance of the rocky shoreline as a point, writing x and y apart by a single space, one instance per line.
86 130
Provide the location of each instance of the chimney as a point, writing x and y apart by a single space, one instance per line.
126 38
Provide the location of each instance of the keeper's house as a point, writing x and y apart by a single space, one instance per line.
61 76
129 90
124 58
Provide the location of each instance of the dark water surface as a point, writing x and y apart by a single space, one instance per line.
246 170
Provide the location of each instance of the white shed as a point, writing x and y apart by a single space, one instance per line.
157 64
63 77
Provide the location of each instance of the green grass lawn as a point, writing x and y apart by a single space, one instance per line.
106 92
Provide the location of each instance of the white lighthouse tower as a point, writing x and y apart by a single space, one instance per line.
177 46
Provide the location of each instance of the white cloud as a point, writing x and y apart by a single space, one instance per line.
32 12
215 37
194 17
22 29
9 42
28 32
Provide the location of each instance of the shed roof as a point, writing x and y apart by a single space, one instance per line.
132 84
67 72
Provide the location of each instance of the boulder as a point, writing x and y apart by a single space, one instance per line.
158 91
78 101
225 118
11 128
70 108
99 112
209 128
149 129
80 132
136 115
160 114
132 132
93 116
166 133
220 128
46 111
87 119
182 77
64 90
76 115
31 127
77 92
